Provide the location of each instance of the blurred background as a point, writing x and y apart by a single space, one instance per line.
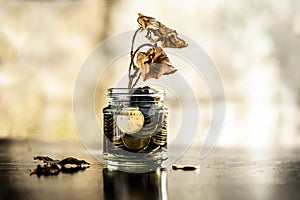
255 44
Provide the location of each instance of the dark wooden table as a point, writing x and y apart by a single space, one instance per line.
224 174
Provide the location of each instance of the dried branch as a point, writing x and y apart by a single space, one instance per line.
137 79
131 51
154 62
131 77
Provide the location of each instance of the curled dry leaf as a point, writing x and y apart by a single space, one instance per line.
171 41
154 63
157 31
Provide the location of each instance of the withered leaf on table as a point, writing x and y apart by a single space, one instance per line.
154 63
167 36
71 160
43 158
54 167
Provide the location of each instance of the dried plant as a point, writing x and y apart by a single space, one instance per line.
154 62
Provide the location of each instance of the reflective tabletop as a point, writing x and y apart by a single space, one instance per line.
224 174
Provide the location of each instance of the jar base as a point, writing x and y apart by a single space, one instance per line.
138 164
133 167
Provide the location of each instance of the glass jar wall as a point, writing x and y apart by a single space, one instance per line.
135 128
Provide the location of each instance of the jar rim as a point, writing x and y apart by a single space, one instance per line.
126 94
120 91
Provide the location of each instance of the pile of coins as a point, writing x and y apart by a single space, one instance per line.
161 137
140 127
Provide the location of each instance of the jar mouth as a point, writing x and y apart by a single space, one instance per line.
136 94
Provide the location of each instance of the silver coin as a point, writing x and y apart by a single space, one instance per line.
130 120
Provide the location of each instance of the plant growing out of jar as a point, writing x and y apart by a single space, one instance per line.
135 121
154 62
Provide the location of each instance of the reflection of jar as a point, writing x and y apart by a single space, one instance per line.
124 185
135 127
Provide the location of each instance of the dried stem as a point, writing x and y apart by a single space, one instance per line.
139 48
133 39
138 78
133 54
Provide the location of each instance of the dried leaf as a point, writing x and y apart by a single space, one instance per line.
167 36
54 167
154 63
147 22
43 158
173 42
71 160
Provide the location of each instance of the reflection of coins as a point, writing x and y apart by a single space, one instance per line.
135 143
130 120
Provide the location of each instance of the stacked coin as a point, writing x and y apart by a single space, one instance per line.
160 138
110 131
108 125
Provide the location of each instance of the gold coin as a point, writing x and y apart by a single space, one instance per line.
161 141
130 120
135 143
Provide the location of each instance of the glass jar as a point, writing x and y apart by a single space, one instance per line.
135 128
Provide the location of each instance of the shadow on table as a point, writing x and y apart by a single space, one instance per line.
125 185
7 167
